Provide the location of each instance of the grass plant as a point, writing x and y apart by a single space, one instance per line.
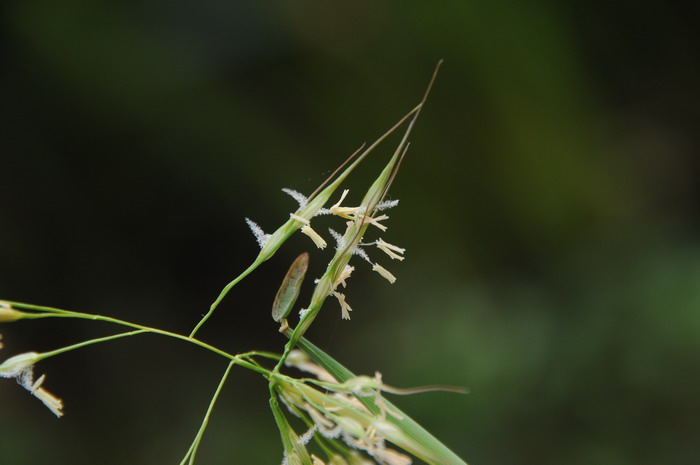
346 416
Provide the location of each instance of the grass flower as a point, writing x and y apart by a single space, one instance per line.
346 416
337 414
360 219
15 367
21 368
308 208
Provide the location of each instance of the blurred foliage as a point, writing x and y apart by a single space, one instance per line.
549 207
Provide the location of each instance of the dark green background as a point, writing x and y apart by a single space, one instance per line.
549 207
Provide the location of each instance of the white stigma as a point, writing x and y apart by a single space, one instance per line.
257 231
298 196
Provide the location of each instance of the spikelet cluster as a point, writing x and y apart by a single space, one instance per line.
341 419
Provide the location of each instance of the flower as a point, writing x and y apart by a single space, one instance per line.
14 367
21 367
336 412
359 219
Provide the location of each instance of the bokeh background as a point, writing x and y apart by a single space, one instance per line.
549 207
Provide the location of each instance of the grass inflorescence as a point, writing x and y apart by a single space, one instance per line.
342 419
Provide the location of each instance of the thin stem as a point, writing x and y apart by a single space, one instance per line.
36 316
260 353
192 451
59 313
223 293
337 170
62 350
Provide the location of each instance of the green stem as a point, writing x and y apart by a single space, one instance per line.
59 313
62 350
260 353
192 451
223 293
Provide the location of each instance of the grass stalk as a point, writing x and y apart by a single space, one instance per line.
192 451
